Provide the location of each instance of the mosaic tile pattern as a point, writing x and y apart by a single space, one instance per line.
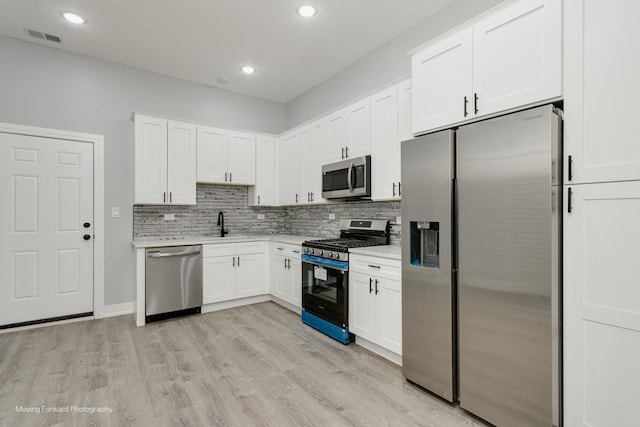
240 219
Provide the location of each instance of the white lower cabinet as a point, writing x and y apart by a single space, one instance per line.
235 270
601 304
375 300
287 273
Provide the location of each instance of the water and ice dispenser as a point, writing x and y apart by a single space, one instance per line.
425 243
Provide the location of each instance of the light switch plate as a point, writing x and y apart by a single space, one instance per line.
115 212
398 220
169 217
332 216
260 216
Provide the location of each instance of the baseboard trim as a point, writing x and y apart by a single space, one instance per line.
114 310
216 306
380 351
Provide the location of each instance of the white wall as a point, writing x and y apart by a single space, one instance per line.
41 86
383 66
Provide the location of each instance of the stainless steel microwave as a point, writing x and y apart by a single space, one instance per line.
347 179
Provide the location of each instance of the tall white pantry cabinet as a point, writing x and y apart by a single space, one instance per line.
601 213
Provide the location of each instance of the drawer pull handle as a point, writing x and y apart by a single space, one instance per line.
374 266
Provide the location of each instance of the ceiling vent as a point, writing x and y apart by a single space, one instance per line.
44 36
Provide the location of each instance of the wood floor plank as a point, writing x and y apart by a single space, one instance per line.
256 365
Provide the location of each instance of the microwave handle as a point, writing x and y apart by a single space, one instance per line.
349 175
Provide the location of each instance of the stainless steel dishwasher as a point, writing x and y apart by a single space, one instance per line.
173 283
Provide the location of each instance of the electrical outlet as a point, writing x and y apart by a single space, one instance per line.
332 216
169 217
115 212
260 216
398 220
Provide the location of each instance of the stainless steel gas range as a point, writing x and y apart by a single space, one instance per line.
325 275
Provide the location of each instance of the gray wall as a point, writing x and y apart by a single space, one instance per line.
41 86
385 65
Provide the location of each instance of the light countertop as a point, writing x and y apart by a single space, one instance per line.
384 251
183 241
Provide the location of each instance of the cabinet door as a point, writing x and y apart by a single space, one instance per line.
181 163
404 110
441 79
150 147
251 275
219 278
389 314
385 145
282 287
264 192
212 155
289 169
362 305
517 55
337 136
295 271
312 140
242 158
601 304
359 129
601 90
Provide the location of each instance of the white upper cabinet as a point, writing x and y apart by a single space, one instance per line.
602 92
385 145
404 110
442 82
349 132
289 169
181 163
165 161
241 157
359 129
508 58
337 136
225 157
212 154
264 192
517 55
312 144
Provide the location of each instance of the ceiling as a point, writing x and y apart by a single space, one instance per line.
208 41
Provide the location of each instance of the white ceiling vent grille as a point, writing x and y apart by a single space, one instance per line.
44 36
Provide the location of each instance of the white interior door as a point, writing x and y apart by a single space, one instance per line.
46 263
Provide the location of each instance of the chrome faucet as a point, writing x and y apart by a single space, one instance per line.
221 223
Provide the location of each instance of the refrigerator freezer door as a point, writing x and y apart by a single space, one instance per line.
508 277
428 293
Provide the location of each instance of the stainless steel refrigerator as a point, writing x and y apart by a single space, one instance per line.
481 277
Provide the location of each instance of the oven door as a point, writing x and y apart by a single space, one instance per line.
325 288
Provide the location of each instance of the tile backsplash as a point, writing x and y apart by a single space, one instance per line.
240 219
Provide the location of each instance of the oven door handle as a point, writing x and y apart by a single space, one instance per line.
323 262
349 176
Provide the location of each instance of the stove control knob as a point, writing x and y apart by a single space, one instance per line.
308 251
320 252
332 255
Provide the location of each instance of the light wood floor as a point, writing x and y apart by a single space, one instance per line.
254 365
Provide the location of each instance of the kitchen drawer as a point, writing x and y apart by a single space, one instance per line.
222 249
249 248
292 251
376 266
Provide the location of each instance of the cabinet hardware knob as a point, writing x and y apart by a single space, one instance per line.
86 237
466 101
475 102
376 286
86 225
370 284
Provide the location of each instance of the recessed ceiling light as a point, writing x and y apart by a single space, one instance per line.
248 69
72 17
307 11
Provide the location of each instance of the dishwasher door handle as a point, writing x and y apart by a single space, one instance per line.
168 254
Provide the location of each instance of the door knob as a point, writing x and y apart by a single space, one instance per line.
86 237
